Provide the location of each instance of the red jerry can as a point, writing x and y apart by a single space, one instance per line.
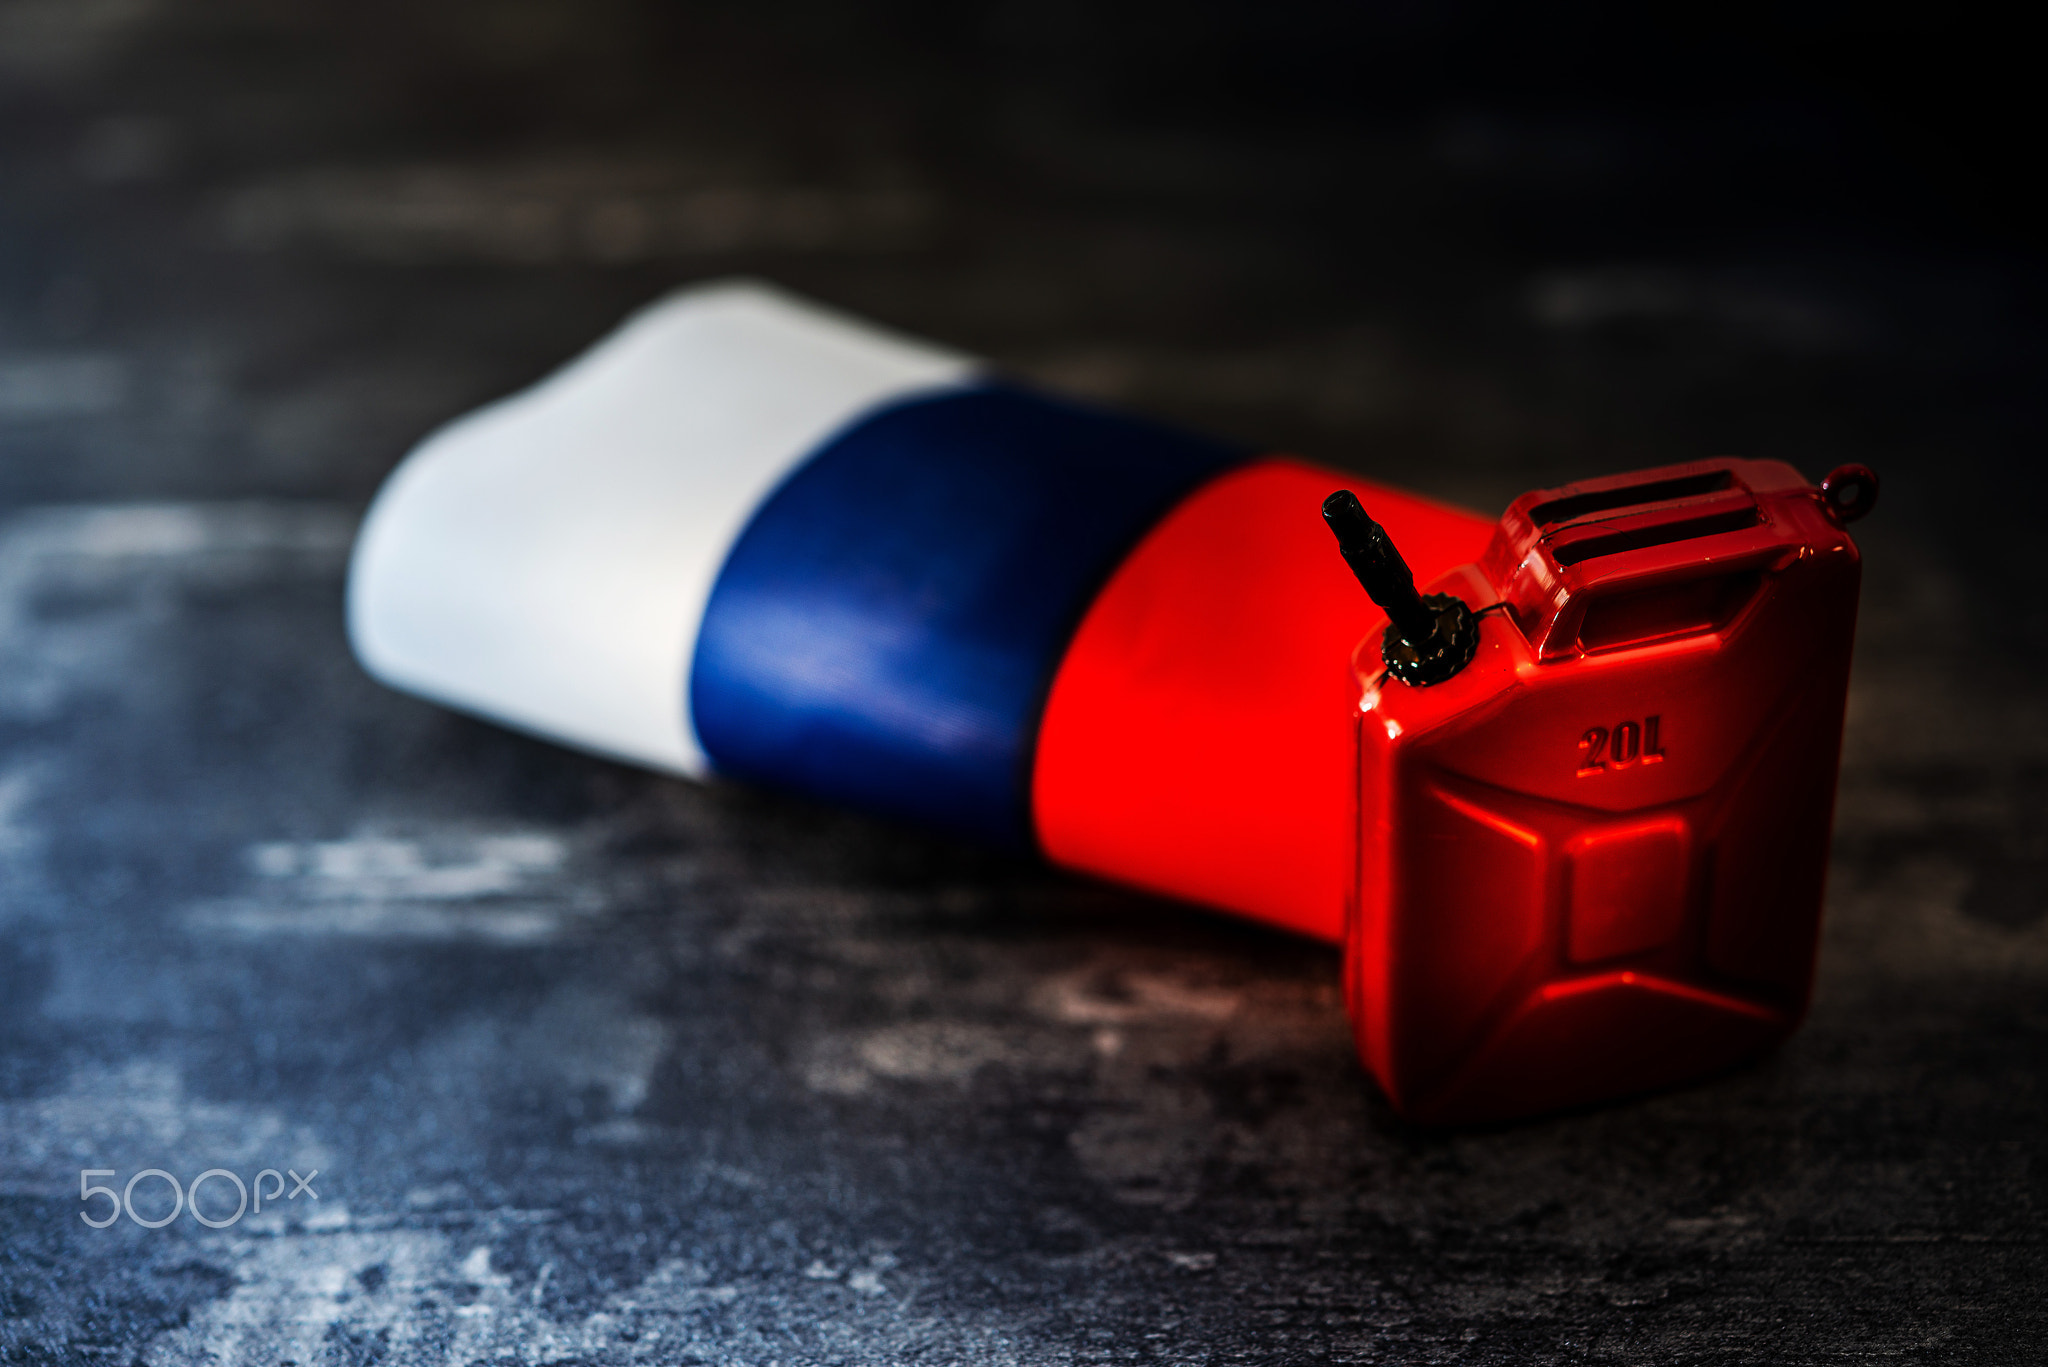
1591 861
1588 823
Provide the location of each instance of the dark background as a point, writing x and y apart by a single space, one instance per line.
598 1066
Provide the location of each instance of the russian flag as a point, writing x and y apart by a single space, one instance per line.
746 534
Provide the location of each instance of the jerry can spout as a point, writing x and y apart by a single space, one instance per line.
1427 640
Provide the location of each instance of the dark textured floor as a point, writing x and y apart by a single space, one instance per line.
597 1066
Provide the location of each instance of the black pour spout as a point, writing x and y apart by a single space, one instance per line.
1428 639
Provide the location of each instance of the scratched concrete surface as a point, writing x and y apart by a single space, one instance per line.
600 1067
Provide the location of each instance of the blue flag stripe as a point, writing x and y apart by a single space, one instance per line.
885 628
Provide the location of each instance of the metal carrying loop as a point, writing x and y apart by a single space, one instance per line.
1849 492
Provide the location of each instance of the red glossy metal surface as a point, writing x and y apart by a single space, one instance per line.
1634 781
1589 864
